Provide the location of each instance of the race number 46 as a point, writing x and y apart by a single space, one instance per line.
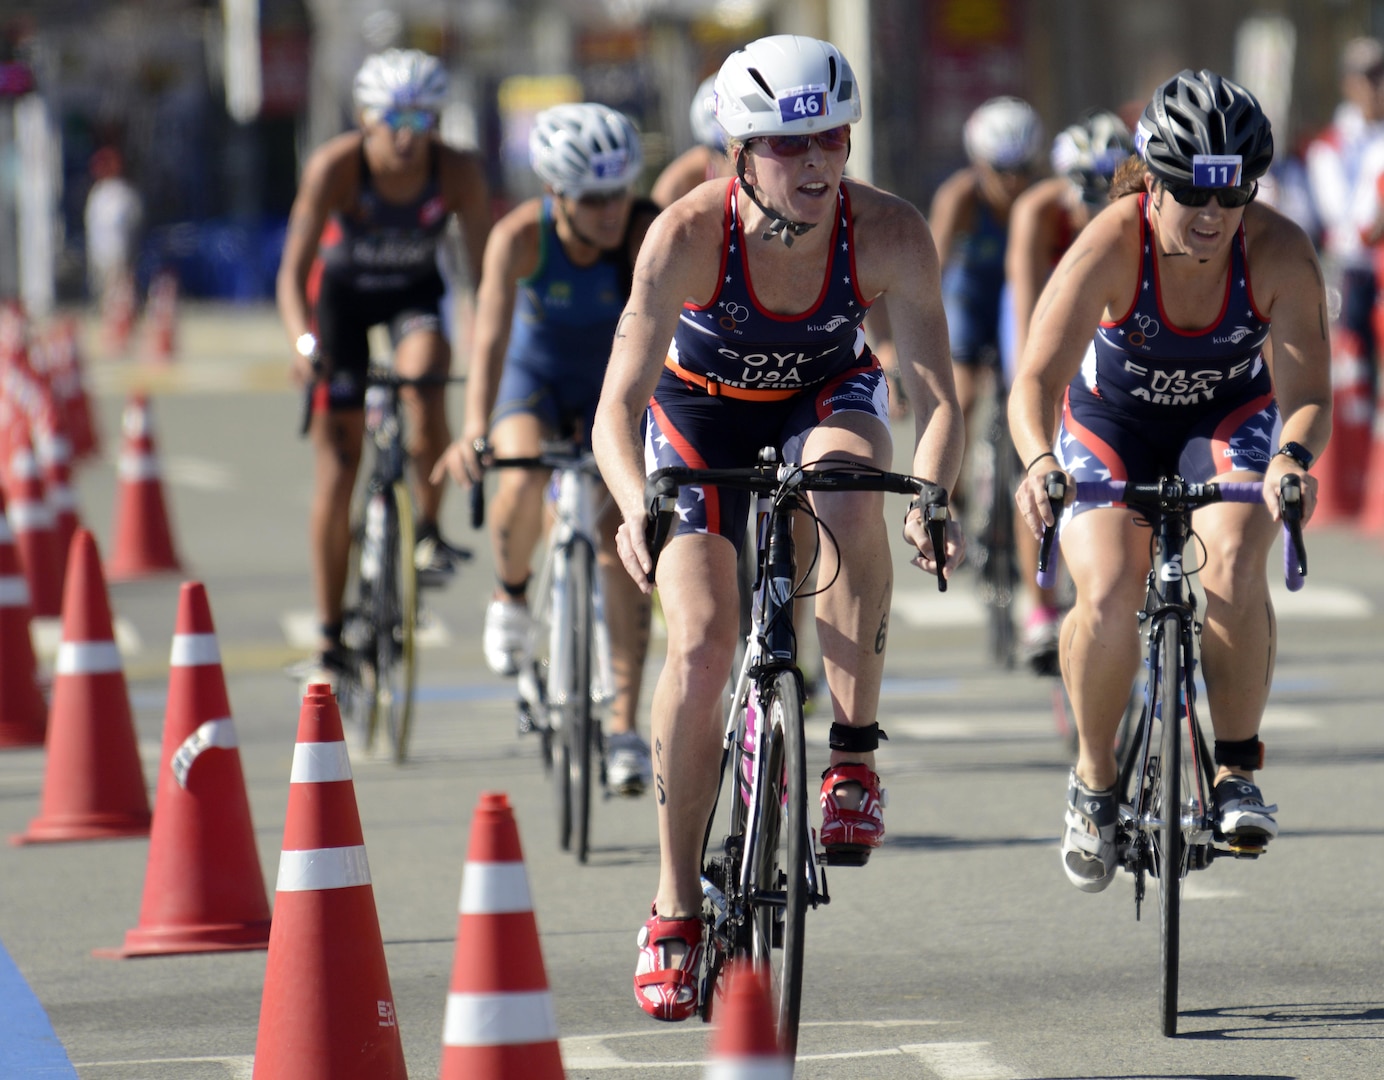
802 103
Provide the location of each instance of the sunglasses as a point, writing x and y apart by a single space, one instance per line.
596 200
419 120
791 146
1228 197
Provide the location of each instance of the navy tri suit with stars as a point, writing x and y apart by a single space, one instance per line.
739 377
1152 399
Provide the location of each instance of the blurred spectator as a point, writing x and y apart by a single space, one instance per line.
114 217
1334 162
705 161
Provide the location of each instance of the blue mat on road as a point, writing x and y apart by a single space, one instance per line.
29 1047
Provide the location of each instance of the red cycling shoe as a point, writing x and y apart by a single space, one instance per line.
849 835
668 993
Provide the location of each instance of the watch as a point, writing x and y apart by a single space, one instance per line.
306 345
1297 453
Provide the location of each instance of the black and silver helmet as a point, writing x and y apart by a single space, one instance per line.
1202 114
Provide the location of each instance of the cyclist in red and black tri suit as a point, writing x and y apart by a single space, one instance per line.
1185 331
363 250
744 327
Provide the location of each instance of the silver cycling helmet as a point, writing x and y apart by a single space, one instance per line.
585 149
705 129
785 85
1199 114
1089 152
1004 133
400 79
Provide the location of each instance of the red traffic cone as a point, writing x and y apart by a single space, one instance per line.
1371 518
743 1043
203 888
327 1012
143 539
23 715
1341 469
31 518
500 1021
53 451
93 788
161 317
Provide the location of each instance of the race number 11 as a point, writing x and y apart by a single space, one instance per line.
1216 170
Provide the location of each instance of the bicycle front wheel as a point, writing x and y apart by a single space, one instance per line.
779 896
1169 842
569 697
396 618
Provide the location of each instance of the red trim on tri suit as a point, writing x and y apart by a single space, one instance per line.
694 460
829 387
1093 442
1231 423
725 253
826 273
1144 238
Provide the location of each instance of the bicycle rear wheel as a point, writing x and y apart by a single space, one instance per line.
779 897
1169 842
396 617
999 573
569 693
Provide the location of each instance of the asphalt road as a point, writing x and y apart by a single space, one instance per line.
959 953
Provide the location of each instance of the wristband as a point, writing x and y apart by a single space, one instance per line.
1298 454
1046 453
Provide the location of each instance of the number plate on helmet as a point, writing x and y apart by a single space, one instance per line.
802 103
1216 170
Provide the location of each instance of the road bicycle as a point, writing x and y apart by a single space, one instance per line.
1167 819
768 869
993 479
380 620
565 676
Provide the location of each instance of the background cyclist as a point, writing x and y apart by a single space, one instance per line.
707 160
557 273
970 223
1209 359
1043 223
744 326
362 250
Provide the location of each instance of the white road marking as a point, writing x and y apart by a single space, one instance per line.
240 1067
960 1061
46 634
300 630
199 473
930 609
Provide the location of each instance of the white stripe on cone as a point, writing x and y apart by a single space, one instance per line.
749 1069
194 650
212 735
14 591
315 869
494 889
87 658
28 515
499 1019
139 467
320 763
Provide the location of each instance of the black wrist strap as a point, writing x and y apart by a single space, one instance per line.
1040 457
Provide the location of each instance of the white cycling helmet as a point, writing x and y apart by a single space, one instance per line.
785 85
705 129
401 79
1004 133
1089 152
585 149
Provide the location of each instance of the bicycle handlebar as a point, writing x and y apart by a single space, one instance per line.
554 456
774 477
1174 495
375 375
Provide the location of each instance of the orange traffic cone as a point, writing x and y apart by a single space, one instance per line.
327 1012
203 889
743 1043
22 710
1341 469
161 317
53 451
500 1021
93 788
1371 518
31 518
143 540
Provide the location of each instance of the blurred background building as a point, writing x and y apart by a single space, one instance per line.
214 104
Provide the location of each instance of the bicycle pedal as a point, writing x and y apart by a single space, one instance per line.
846 857
1246 849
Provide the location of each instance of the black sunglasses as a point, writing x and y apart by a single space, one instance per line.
1228 197
597 200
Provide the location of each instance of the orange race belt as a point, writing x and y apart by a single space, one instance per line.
715 388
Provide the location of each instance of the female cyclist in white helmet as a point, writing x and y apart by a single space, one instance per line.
557 273
361 250
743 329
